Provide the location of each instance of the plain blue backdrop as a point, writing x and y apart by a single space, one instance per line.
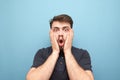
24 28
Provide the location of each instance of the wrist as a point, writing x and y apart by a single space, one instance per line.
67 51
55 52
55 55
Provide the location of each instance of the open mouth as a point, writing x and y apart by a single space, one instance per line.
61 42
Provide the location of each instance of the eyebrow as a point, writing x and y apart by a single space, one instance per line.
62 27
65 27
56 27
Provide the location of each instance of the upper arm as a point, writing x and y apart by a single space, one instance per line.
38 59
85 61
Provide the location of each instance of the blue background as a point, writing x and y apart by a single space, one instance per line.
24 28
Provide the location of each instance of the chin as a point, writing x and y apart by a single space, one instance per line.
61 47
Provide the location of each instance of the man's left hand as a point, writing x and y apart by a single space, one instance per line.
68 42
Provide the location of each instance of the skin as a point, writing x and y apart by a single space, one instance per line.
61 31
61 36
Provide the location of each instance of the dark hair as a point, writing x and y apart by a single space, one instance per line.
62 18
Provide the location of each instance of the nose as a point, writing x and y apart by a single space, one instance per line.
61 32
60 36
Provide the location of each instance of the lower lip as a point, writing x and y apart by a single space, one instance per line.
61 44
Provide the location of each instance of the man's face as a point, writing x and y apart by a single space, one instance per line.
61 29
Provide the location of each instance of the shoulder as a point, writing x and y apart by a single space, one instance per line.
44 52
82 57
41 55
47 49
79 52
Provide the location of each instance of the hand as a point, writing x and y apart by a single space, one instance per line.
68 42
53 38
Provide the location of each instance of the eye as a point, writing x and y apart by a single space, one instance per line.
66 29
55 29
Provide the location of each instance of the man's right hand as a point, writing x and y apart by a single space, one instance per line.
53 38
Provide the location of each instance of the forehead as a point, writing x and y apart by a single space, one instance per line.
60 24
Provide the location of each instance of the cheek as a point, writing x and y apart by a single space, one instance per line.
56 36
65 36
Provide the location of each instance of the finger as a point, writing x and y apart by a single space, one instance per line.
55 38
67 37
71 33
52 37
50 33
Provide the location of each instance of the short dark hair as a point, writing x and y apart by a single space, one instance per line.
62 18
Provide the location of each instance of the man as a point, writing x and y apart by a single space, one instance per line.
61 61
